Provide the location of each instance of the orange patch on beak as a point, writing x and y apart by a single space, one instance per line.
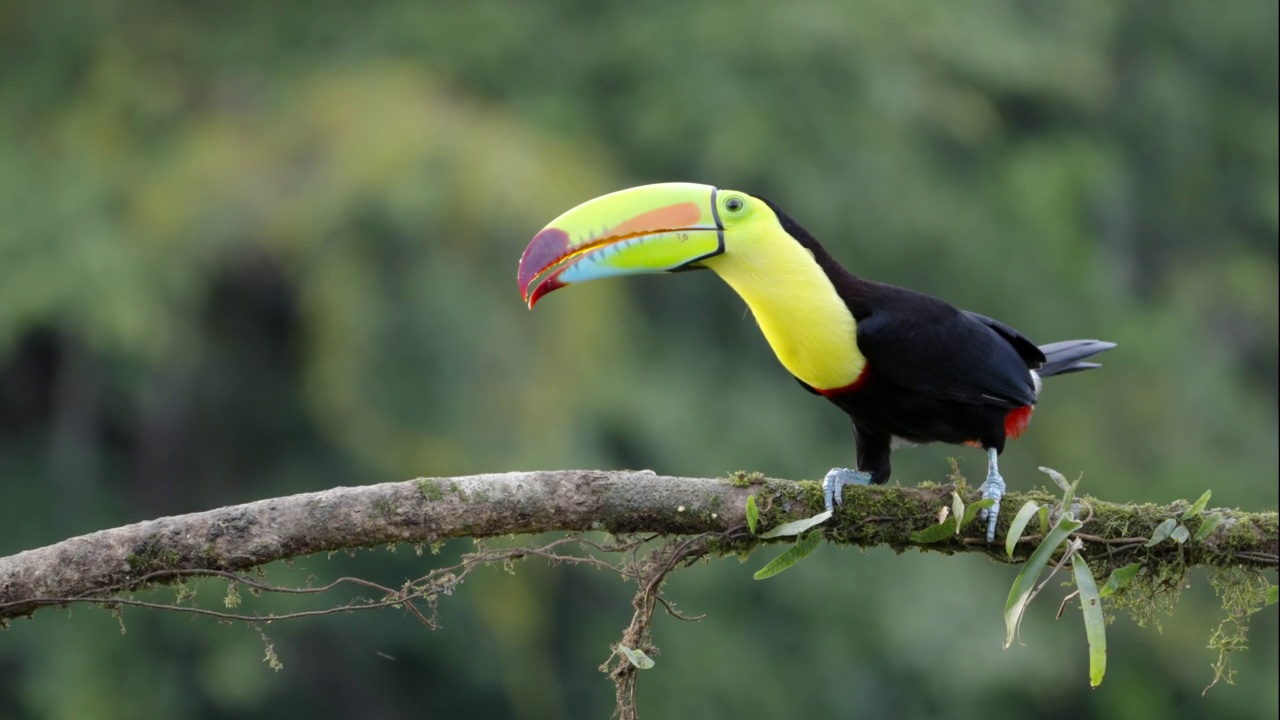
671 217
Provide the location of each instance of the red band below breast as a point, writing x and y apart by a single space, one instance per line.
851 387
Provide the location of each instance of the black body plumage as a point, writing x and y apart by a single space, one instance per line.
934 373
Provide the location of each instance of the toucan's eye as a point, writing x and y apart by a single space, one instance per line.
733 204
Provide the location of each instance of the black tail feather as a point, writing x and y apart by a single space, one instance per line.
1066 356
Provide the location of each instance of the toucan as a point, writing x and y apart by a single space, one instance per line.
908 368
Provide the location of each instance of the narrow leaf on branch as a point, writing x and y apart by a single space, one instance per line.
793 555
1198 506
1025 583
1162 533
1019 524
1120 579
796 527
1095 623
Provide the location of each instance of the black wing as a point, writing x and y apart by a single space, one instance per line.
1027 350
927 346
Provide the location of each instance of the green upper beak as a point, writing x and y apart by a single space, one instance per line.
646 229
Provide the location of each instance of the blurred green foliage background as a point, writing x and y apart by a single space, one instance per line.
251 249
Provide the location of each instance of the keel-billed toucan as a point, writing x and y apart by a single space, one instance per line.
907 367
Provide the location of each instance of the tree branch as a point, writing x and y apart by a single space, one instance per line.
426 510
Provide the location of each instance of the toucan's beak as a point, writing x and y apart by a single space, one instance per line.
646 229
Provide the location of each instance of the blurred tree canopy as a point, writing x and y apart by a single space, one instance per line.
251 249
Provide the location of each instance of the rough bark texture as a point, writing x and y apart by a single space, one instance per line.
432 509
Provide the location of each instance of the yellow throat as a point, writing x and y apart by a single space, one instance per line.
809 327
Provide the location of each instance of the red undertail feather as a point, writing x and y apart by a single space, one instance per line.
1017 420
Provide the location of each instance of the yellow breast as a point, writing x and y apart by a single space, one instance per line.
809 327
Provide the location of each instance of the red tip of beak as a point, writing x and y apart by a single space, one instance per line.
552 282
546 248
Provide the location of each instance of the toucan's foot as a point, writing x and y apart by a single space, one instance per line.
833 484
993 488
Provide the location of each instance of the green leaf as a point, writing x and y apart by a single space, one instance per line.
753 514
1197 506
793 555
1095 623
1208 524
1163 531
1043 516
934 533
795 527
1272 595
971 512
957 509
636 657
1057 478
1180 534
1025 513
1020 593
1120 578
1067 498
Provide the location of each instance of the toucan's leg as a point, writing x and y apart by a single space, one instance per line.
873 465
993 488
833 484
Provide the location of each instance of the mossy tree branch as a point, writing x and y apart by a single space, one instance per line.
97 566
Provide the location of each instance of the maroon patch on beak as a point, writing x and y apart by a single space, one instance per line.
546 248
